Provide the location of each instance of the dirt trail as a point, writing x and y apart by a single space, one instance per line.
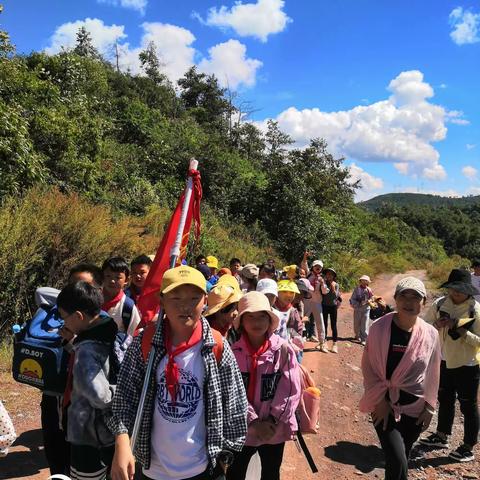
345 448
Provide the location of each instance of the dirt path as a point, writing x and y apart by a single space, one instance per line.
345 448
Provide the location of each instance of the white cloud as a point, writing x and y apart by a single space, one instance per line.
437 172
470 146
469 172
466 26
139 5
368 183
473 191
229 63
259 20
174 46
103 36
398 130
455 116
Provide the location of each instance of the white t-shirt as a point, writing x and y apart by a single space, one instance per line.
179 434
282 325
116 313
476 284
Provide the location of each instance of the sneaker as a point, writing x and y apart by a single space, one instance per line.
434 440
323 347
4 452
462 454
334 348
313 338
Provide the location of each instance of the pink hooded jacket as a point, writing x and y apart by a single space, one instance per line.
278 388
418 372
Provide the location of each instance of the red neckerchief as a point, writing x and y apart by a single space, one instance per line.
111 303
283 309
172 374
252 381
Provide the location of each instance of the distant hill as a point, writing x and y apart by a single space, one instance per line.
404 199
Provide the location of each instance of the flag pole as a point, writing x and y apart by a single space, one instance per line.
174 253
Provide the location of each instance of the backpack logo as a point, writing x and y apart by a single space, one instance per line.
31 370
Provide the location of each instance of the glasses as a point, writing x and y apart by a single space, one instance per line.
228 308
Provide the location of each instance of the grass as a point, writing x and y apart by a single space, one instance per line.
6 355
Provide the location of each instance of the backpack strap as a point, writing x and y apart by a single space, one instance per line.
151 328
127 310
218 347
440 302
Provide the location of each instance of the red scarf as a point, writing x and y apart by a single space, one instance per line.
111 303
283 309
252 381
172 374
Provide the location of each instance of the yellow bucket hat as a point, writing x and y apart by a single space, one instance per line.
220 297
230 281
291 271
288 286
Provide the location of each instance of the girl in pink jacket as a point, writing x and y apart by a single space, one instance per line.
272 380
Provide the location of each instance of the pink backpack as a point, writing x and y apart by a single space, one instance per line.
308 411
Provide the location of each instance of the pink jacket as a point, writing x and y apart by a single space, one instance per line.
278 388
418 372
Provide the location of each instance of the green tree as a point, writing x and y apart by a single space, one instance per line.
84 45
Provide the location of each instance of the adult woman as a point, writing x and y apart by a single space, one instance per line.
401 365
456 316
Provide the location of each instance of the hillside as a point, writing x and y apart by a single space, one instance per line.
408 199
92 161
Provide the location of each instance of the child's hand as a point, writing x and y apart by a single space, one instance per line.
263 429
123 463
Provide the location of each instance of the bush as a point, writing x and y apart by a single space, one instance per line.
45 233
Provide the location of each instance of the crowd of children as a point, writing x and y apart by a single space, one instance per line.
226 380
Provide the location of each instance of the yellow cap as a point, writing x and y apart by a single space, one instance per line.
288 286
212 262
221 296
291 271
183 275
230 281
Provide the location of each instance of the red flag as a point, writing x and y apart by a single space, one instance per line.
148 301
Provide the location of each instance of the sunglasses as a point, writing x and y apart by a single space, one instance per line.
228 308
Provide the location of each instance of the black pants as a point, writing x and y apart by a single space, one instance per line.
271 457
463 383
397 441
57 449
90 463
330 311
201 476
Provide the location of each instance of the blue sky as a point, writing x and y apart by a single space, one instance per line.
392 86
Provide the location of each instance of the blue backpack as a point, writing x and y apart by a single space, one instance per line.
39 359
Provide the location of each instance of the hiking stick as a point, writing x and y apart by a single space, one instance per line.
174 253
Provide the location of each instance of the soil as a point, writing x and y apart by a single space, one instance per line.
346 446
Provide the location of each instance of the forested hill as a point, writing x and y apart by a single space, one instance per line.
92 161
411 199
